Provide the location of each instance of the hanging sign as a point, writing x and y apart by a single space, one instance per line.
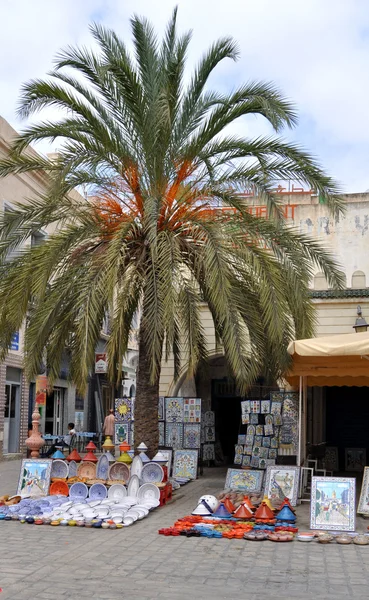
41 390
101 363
14 344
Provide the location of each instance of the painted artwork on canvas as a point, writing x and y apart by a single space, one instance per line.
192 410
34 477
249 481
174 410
191 435
173 435
282 482
122 432
123 410
185 464
333 503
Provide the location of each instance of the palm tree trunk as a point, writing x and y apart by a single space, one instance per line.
146 427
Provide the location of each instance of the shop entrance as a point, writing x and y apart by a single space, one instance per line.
347 425
12 410
54 412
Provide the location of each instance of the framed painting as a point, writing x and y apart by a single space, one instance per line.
254 419
174 410
259 429
355 459
237 459
263 452
265 407
208 452
245 418
262 463
255 462
209 418
276 408
246 461
192 410
238 449
333 503
122 432
173 435
185 463
241 438
245 481
282 481
363 507
247 450
266 442
251 430
255 406
209 434
123 409
161 408
34 477
245 411
331 458
249 440
192 435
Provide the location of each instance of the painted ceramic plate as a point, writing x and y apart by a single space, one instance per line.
119 471
148 491
117 492
59 488
73 467
136 466
98 491
133 486
102 469
78 490
59 469
87 470
152 473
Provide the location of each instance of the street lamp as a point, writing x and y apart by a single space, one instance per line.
360 323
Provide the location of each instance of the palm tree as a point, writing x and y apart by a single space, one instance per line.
164 227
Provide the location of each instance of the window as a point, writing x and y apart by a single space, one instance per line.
38 238
320 282
358 281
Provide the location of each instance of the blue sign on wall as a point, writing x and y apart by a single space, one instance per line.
14 344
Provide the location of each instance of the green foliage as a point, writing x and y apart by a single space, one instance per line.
154 153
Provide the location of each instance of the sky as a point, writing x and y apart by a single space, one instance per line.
316 52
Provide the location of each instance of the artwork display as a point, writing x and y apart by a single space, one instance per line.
161 408
241 439
185 463
245 412
255 406
246 461
355 459
162 433
191 435
259 429
331 458
238 459
34 477
192 410
209 434
174 435
122 431
282 482
333 503
363 507
289 432
265 407
168 455
209 418
208 452
276 408
123 410
249 481
238 449
254 419
174 410
251 430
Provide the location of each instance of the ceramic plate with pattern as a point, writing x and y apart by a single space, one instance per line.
152 473
117 492
78 491
87 470
73 467
148 491
133 486
59 469
98 491
102 469
119 471
136 466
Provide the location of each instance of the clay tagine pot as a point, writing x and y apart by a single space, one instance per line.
222 512
90 457
268 503
286 514
229 505
124 456
243 512
264 513
74 456
108 445
247 501
90 446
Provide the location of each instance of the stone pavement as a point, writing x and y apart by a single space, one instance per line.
135 563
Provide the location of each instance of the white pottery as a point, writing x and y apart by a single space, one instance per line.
118 520
128 521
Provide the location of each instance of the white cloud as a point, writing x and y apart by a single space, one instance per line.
316 52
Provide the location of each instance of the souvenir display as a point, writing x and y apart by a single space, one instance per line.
34 479
191 435
59 469
136 466
355 459
209 418
265 407
333 503
331 458
255 406
185 463
363 507
117 492
174 435
86 470
174 410
102 467
289 431
249 481
192 410
208 452
119 471
152 473
241 439
238 459
209 434
254 419
161 408
123 410
122 431
161 434
282 482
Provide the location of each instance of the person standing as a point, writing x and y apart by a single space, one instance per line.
109 424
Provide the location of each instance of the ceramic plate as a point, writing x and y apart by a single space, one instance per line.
133 514
73 467
149 491
133 486
102 469
119 471
136 467
117 492
87 470
59 469
128 521
152 473
98 491
78 490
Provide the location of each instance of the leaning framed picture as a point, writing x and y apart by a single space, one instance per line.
355 459
333 503
243 480
363 506
282 481
34 477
